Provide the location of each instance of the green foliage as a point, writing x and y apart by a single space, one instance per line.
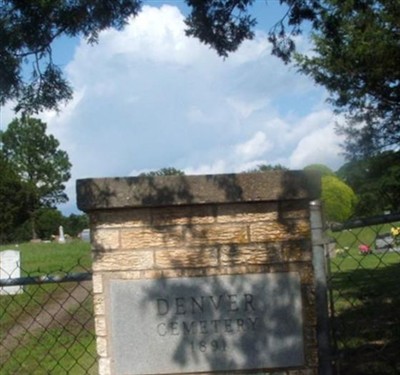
27 31
48 221
36 157
321 168
267 168
14 197
169 171
338 199
356 57
40 258
221 24
376 181
40 164
75 224
62 345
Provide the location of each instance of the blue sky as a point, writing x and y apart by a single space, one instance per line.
148 97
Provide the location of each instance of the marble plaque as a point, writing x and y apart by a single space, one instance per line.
205 324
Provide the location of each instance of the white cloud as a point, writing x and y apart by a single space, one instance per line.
319 146
6 115
149 97
254 147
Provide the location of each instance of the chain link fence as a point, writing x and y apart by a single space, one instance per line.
47 327
364 283
46 321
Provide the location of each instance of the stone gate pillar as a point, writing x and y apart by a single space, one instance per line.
203 274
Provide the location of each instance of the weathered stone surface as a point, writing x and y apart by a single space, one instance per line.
121 218
106 193
98 303
150 237
276 231
100 323
101 345
247 212
105 239
205 324
97 281
183 215
121 261
216 234
197 231
183 258
251 254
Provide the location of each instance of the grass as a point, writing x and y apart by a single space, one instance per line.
64 344
365 292
56 350
42 258
366 299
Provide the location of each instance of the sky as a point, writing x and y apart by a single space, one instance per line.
149 97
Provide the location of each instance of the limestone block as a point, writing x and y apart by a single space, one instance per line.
183 258
150 237
105 239
104 366
247 212
123 260
198 235
101 344
251 254
187 215
277 231
121 218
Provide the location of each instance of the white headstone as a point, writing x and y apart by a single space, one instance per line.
10 269
61 238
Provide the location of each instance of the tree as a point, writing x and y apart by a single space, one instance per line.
29 28
27 31
321 168
376 181
14 197
75 224
48 221
267 168
169 171
356 52
338 198
356 57
37 159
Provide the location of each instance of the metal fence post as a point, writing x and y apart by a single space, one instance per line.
321 289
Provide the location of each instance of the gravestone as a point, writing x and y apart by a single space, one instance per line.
384 243
61 237
203 274
9 269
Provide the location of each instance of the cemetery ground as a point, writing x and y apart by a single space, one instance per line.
49 328
365 299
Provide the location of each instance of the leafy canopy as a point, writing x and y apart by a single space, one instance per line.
376 181
14 198
356 52
338 198
167 171
27 31
29 28
35 156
